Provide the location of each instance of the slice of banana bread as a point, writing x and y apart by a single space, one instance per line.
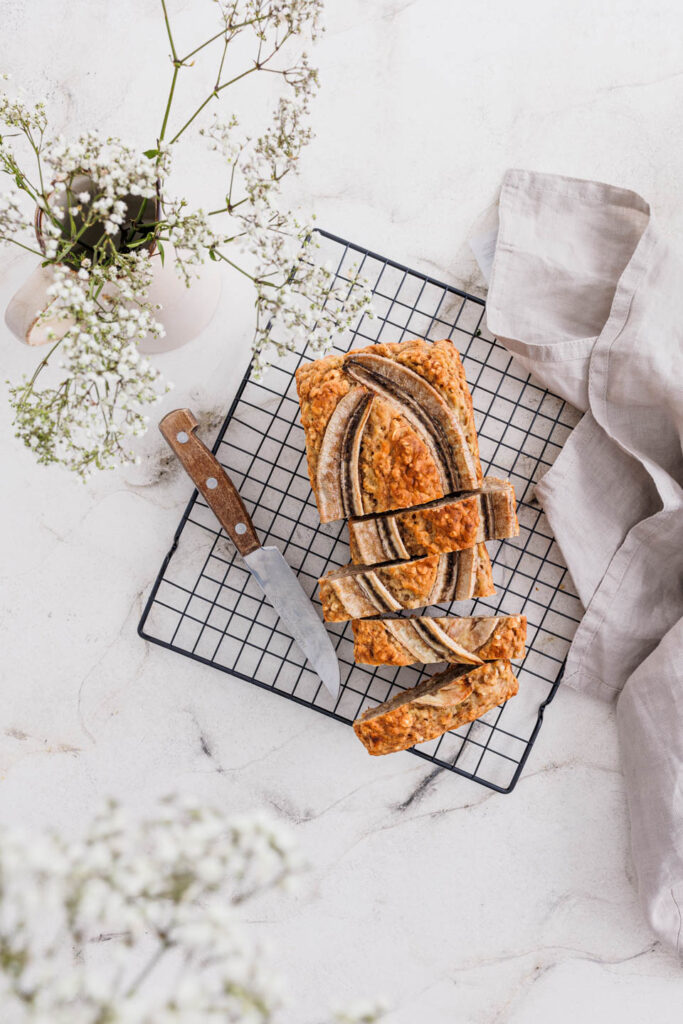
354 591
446 701
410 641
448 524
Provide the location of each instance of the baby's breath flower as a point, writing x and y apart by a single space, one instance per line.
297 300
191 234
13 216
114 169
221 137
165 887
87 420
87 926
105 208
17 114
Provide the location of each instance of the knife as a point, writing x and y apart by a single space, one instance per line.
267 565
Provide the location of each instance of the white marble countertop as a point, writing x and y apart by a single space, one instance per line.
521 908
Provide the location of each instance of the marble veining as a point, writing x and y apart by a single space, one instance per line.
459 905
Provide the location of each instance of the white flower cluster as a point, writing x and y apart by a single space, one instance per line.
311 304
293 15
115 170
298 300
98 234
136 923
277 151
264 161
13 219
17 114
221 137
86 420
190 233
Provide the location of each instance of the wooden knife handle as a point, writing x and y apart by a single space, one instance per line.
210 479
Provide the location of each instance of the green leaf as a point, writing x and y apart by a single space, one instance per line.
151 153
160 247
212 255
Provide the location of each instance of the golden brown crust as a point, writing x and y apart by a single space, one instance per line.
451 524
349 592
483 586
320 386
446 701
397 466
507 641
390 642
439 363
426 532
413 581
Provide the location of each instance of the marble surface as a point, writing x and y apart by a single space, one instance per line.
456 903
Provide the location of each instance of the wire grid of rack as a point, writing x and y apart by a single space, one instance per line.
205 605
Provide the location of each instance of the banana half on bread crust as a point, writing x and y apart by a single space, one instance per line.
433 707
356 591
448 524
388 426
424 640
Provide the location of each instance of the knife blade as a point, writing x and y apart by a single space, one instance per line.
266 564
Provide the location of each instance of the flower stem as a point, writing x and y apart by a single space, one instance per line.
252 277
176 68
258 66
220 68
211 96
202 45
34 252
147 969
168 31
231 29
234 265
41 366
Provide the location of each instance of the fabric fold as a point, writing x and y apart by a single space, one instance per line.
583 290
650 724
586 292
592 528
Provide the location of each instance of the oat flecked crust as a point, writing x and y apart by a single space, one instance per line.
397 454
423 640
354 592
446 701
449 524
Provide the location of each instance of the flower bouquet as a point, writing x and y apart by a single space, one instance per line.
97 214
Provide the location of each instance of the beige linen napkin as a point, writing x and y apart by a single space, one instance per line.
588 295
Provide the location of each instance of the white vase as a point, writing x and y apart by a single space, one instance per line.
185 312
21 315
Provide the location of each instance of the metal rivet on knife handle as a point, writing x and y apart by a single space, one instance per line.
210 479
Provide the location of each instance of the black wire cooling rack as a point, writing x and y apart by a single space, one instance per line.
205 605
